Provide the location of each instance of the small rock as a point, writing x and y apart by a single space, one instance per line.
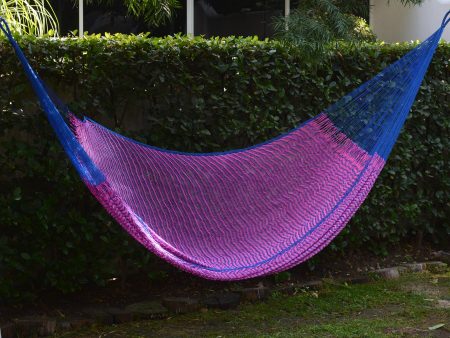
314 285
147 310
181 304
436 267
256 294
7 330
224 301
388 273
101 316
443 304
414 267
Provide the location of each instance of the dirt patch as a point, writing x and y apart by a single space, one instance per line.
389 310
434 288
119 293
416 332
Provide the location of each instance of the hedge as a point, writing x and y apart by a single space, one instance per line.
192 95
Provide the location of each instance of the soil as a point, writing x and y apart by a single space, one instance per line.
178 283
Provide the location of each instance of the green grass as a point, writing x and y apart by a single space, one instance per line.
381 309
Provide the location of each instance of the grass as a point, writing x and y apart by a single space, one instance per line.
403 307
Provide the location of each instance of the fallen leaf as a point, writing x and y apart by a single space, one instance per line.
435 327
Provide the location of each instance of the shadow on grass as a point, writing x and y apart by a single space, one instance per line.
402 307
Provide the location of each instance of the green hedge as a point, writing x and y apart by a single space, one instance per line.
191 95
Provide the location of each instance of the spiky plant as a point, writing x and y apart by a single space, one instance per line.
153 12
317 25
32 17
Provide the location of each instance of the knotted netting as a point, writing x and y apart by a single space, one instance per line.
252 211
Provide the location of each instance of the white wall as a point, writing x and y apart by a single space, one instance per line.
394 22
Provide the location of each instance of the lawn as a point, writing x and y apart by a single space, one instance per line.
408 306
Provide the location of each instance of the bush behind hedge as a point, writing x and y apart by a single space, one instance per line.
192 95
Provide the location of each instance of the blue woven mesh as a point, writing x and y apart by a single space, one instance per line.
373 114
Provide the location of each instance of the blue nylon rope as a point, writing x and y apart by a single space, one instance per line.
373 114
81 161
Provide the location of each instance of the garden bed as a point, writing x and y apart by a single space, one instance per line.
180 293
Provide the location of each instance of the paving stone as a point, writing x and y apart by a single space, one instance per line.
224 301
314 285
7 330
100 315
256 294
414 267
402 270
359 279
147 310
181 304
388 273
436 267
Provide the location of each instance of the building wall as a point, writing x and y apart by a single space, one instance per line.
393 22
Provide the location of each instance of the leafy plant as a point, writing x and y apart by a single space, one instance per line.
154 12
33 17
317 26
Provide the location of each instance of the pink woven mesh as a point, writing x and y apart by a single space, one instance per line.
234 215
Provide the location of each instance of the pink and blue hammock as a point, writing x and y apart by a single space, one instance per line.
254 211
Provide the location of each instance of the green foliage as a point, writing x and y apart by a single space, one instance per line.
317 26
33 17
379 309
191 95
154 12
410 2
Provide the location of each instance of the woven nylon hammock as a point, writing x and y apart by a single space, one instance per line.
254 211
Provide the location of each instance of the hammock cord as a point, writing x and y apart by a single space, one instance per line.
366 114
81 161
254 211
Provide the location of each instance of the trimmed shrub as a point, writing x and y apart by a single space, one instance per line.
192 95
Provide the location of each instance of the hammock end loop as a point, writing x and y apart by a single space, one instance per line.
5 27
446 19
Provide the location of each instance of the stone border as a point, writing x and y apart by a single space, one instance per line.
169 306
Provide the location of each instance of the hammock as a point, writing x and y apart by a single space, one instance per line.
254 211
